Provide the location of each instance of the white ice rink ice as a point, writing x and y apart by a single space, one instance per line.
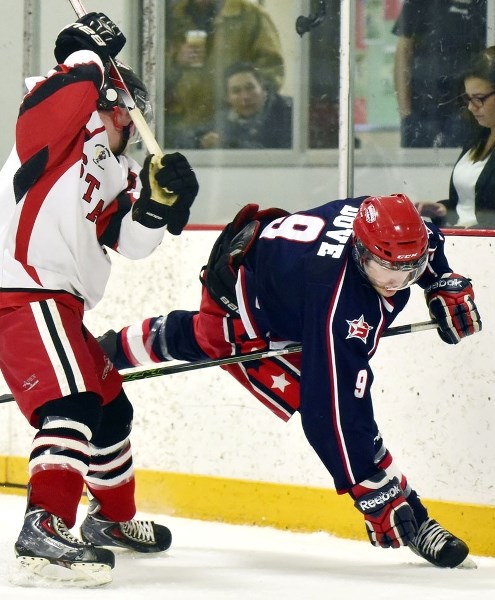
212 561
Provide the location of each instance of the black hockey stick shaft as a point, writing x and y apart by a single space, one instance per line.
239 358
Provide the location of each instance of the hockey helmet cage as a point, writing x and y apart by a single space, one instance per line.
109 97
390 231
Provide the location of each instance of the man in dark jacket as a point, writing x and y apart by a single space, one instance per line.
254 116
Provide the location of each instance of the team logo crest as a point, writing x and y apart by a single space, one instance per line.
370 214
358 328
101 153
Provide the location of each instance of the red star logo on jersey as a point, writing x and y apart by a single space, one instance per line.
358 329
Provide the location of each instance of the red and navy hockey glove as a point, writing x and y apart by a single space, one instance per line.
94 31
450 301
111 343
169 189
389 519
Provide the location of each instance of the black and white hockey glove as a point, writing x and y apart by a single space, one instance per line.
389 519
94 31
450 301
169 189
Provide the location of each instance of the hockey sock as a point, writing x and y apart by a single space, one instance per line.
110 480
58 462
58 491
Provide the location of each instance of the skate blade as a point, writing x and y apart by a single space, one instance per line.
30 571
467 563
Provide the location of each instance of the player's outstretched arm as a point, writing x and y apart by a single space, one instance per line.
132 346
154 340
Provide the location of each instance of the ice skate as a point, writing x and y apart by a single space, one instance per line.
140 536
440 547
46 552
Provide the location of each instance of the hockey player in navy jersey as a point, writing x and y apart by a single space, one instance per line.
68 193
332 279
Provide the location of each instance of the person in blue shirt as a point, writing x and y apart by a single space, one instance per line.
333 279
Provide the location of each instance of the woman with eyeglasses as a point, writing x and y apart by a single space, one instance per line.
471 201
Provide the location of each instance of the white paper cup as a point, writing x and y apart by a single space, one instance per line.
197 37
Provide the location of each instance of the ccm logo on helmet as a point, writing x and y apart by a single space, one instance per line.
406 256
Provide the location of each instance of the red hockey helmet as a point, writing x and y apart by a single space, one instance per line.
390 231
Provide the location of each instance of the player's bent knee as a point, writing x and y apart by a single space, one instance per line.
116 422
84 408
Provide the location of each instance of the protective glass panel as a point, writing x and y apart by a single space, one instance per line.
255 104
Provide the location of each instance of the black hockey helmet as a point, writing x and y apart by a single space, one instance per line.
109 97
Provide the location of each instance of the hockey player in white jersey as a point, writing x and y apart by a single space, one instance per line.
68 193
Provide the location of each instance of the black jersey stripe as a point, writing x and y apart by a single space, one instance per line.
59 347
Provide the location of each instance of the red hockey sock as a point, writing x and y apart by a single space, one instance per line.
58 491
117 503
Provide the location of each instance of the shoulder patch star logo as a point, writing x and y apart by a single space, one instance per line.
358 329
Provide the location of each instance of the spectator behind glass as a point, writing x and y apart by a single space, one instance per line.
471 201
255 116
236 30
437 39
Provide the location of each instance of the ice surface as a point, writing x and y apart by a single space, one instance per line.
214 561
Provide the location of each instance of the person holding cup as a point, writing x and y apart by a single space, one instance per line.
193 52
254 116
203 38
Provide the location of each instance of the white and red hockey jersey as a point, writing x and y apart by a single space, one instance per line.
64 197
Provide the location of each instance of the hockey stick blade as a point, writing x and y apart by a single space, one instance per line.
239 358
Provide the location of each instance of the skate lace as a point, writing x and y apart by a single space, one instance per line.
61 528
141 531
431 538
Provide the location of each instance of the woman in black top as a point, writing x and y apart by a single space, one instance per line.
471 201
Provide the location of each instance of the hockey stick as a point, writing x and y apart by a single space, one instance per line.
134 112
239 358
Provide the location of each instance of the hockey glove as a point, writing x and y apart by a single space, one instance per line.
388 517
450 301
111 344
94 31
108 343
169 189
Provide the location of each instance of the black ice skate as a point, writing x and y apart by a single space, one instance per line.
440 547
45 540
140 536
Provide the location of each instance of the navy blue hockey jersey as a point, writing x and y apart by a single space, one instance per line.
301 283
